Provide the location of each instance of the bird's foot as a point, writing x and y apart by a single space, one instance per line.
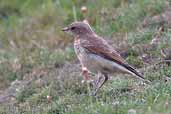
86 76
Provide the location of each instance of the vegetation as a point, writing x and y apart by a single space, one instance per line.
40 73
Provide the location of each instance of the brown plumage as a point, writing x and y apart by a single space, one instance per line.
96 55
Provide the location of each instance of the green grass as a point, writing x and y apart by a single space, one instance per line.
33 47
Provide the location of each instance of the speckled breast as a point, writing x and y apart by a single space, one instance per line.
79 50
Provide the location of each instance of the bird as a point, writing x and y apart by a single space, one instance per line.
97 56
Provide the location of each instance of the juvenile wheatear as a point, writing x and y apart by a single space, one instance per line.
96 55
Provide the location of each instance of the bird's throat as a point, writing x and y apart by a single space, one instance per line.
77 40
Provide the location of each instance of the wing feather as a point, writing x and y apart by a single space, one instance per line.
100 47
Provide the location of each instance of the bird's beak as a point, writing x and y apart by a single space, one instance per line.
65 29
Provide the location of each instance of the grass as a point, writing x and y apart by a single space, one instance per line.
39 71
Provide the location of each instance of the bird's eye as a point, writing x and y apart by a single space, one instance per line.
72 28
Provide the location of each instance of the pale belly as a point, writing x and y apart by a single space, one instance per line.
95 63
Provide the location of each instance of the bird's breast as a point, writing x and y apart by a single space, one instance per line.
80 51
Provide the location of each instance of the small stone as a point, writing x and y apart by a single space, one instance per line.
83 9
83 81
131 111
49 98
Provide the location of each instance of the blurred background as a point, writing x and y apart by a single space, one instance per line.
40 74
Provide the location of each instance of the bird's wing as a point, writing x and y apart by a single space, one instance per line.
99 46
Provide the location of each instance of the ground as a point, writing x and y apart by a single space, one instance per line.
40 73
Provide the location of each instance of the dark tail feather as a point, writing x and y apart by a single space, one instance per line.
134 71
130 68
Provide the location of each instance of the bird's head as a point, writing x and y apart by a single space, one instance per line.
78 28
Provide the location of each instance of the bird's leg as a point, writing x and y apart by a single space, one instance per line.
85 75
102 78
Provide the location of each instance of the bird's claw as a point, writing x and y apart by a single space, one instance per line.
85 73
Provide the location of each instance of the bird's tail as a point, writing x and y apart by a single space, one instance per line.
135 72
